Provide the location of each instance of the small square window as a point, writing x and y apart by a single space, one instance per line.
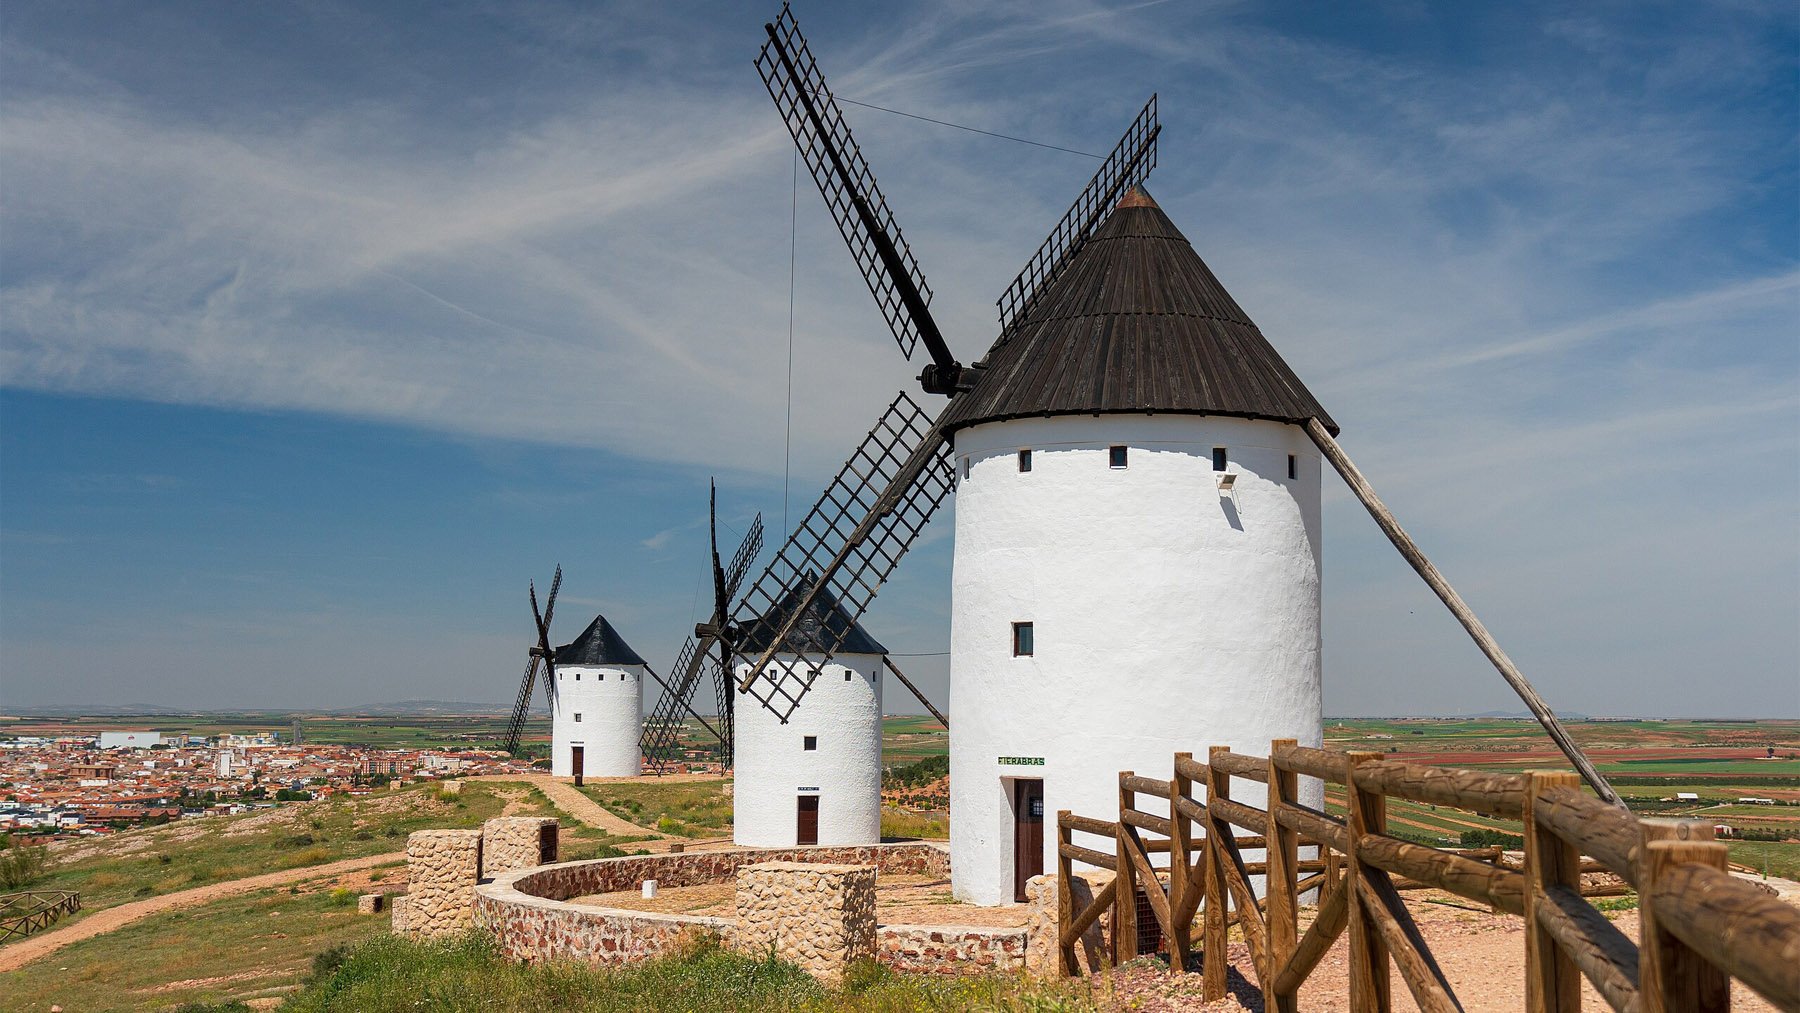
1219 461
577 717
1024 460
577 676
809 743
847 674
1022 640
1116 458
1293 466
602 676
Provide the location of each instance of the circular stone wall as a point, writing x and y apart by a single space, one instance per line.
529 914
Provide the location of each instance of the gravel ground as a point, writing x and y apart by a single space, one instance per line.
1482 954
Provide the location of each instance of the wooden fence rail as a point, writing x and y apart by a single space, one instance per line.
21 914
1700 928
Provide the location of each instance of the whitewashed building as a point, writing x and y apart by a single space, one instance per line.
1137 548
597 706
815 779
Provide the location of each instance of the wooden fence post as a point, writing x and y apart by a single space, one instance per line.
1552 983
1280 882
1365 812
1213 929
1125 927
1181 935
1671 976
1065 900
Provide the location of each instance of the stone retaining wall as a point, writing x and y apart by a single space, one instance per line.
819 917
442 868
517 842
528 914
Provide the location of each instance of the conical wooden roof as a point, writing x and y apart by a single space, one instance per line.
825 627
599 644
1136 324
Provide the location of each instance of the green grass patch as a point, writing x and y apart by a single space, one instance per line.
1776 858
683 808
231 949
389 975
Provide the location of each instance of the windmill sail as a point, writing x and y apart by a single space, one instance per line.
1128 165
541 653
847 546
696 660
849 188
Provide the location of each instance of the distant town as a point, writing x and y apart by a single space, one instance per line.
54 787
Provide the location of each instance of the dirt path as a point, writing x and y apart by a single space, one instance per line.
16 955
566 797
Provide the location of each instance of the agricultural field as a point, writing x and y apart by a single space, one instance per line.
375 731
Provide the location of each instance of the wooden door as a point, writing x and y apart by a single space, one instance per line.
806 830
1028 833
575 759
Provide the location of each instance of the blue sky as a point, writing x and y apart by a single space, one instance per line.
324 328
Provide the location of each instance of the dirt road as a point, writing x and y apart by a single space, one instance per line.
16 955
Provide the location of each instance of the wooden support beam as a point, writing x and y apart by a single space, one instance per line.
1181 927
1281 882
1418 968
1325 764
1146 877
1250 768
1550 982
1672 973
1458 608
1189 768
1503 889
1065 901
1125 927
1148 786
904 681
1327 830
1736 927
1612 836
1102 900
1495 794
1145 821
1371 989
1595 944
1089 825
1097 859
1213 927
1333 915
1229 862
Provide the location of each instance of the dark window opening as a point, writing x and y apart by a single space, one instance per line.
1024 460
1293 466
846 675
1219 459
577 717
1022 640
965 467
810 742
577 676
1117 457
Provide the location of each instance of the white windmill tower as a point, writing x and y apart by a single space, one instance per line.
1137 539
597 705
815 777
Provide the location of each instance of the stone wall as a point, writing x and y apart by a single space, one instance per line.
950 949
442 868
528 916
820 917
397 909
517 842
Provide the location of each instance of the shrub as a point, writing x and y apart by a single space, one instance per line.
342 897
21 864
1490 838
299 841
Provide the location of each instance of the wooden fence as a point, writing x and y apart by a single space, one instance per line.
21 914
1699 926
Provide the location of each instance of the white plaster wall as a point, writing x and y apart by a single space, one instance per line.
1167 617
610 700
773 768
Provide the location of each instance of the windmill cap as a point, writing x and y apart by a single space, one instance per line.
1137 197
599 644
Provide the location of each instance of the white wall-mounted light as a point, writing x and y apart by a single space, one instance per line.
1226 481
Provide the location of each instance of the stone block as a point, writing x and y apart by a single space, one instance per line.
1092 951
450 787
821 917
397 912
369 904
517 842
442 868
